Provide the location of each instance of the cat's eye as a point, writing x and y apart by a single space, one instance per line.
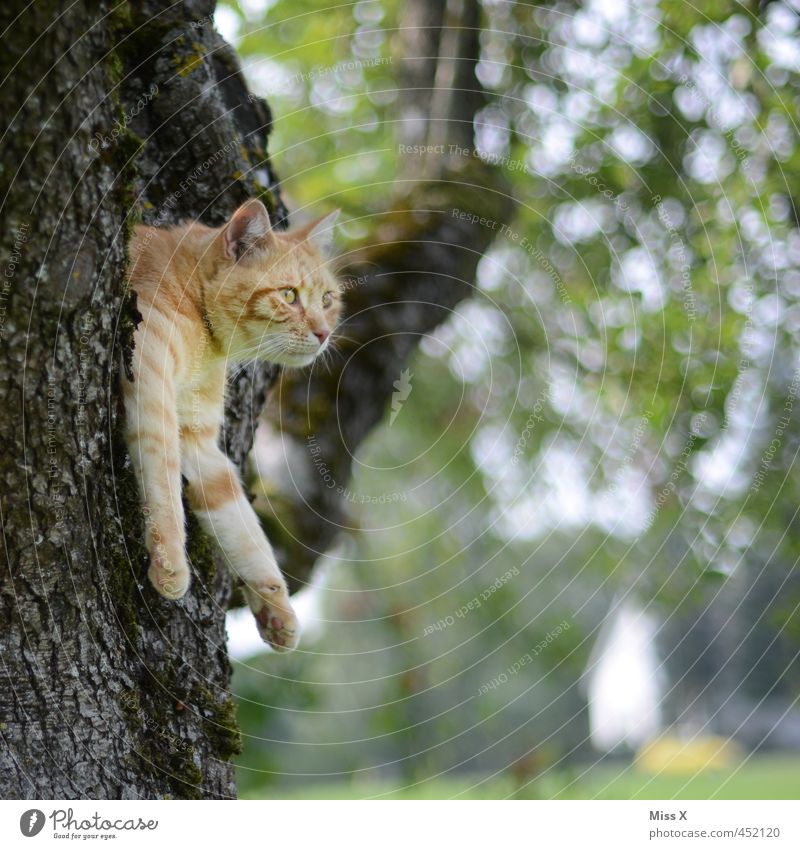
327 299
289 295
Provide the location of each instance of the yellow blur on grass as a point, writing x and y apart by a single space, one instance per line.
671 754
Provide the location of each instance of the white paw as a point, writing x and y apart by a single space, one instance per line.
170 578
275 618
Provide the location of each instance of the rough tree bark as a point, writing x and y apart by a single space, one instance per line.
106 690
114 112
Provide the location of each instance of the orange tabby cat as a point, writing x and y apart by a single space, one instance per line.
209 298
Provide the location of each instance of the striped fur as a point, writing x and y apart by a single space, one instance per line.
209 298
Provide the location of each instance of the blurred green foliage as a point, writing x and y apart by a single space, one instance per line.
612 414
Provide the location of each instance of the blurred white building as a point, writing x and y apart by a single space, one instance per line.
624 680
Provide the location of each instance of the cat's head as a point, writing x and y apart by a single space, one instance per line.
275 297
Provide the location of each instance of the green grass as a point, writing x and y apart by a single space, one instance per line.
762 777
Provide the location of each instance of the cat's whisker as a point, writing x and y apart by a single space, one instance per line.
327 361
265 348
239 368
334 350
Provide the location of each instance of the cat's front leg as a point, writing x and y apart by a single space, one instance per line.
153 443
217 497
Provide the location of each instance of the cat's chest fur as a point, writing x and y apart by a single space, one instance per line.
200 393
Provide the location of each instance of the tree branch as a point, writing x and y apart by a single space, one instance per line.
420 263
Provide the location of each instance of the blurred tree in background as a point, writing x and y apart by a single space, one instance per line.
612 415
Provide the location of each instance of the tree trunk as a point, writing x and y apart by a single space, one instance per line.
107 690
114 112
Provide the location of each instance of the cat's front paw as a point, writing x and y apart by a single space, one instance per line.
169 576
275 618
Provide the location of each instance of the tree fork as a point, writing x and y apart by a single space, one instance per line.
106 689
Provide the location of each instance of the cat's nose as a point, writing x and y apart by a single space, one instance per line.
321 335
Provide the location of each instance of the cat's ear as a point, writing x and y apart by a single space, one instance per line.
320 234
249 225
